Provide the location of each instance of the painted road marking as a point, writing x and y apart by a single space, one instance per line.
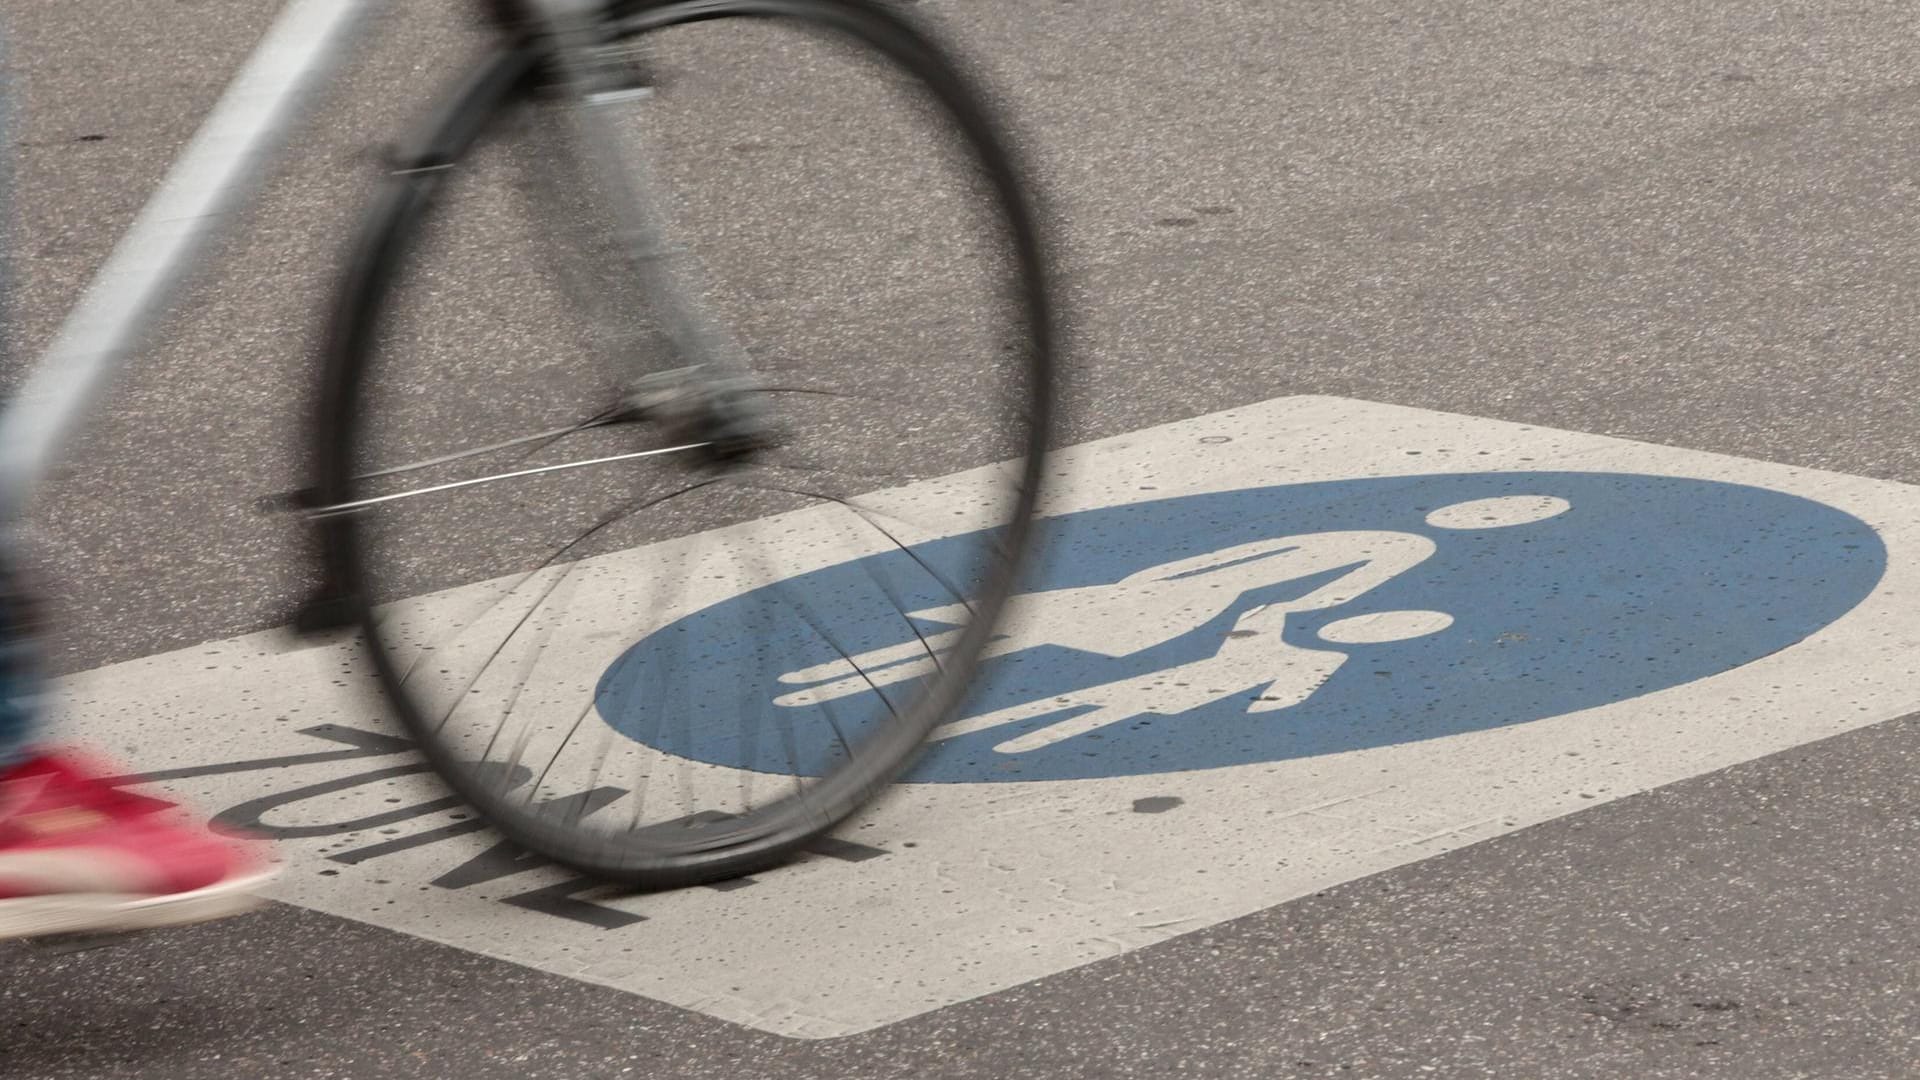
1284 621
1276 648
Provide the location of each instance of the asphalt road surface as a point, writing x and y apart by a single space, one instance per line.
1690 226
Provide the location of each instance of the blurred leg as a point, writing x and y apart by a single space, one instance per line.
17 697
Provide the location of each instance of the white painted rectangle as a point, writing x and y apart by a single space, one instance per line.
980 886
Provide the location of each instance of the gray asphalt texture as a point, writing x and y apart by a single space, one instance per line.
1689 224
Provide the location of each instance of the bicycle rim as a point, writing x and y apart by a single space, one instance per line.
656 668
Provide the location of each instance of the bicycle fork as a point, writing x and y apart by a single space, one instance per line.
710 398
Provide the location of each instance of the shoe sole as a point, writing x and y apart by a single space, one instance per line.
91 913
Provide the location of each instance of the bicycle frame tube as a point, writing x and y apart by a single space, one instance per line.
203 190
6 205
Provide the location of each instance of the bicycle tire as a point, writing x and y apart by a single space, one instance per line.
726 845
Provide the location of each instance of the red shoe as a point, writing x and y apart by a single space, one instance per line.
80 855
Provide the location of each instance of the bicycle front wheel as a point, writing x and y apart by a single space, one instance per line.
666 666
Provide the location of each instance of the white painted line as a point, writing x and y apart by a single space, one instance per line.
1290 645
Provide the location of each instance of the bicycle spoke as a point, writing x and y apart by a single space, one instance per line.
760 571
616 516
676 647
845 656
887 479
526 672
352 505
579 718
868 515
544 438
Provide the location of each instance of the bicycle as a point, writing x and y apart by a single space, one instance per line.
759 638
